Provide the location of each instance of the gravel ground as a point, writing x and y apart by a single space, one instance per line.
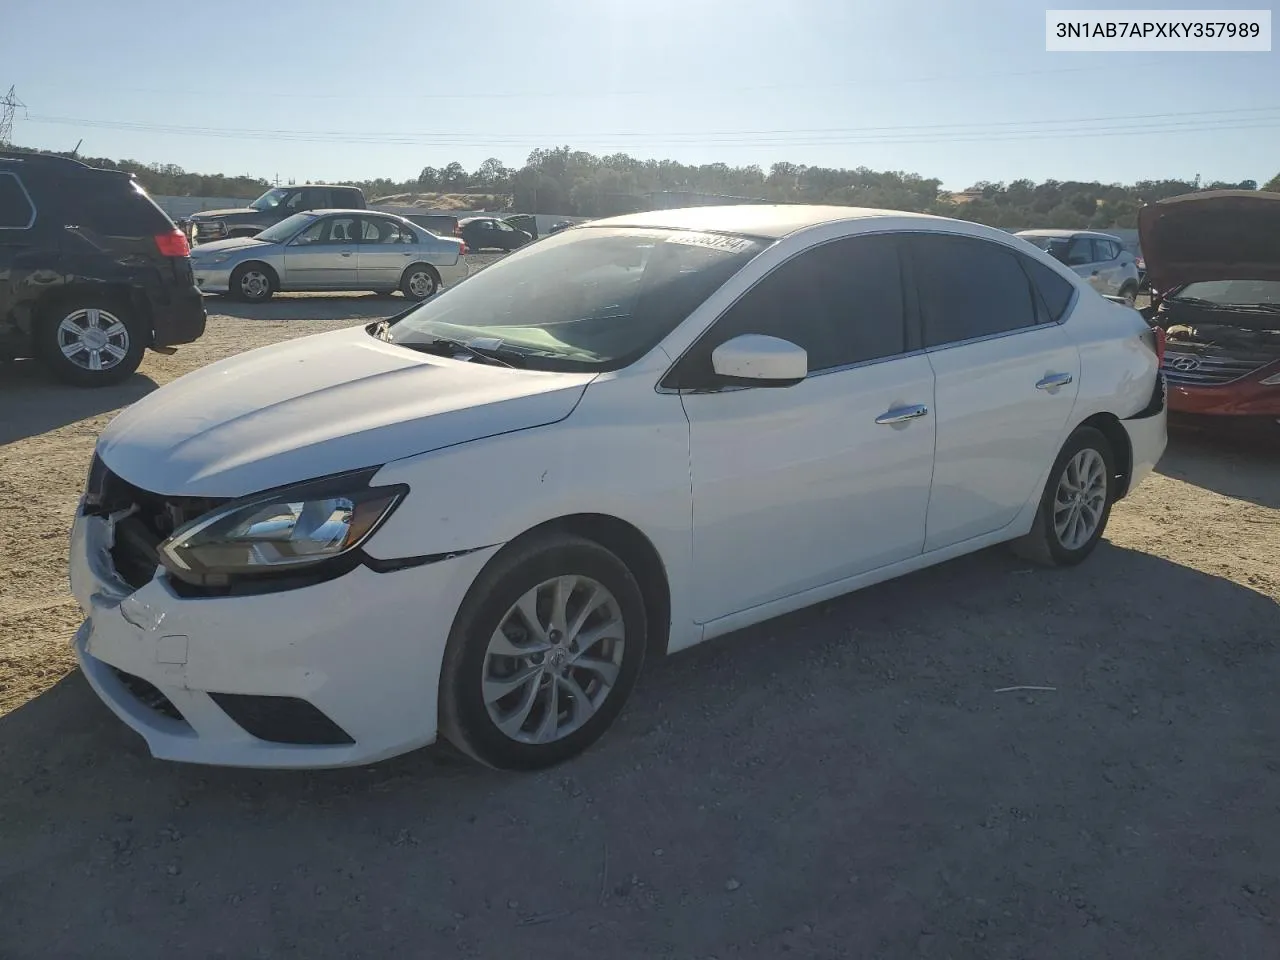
842 782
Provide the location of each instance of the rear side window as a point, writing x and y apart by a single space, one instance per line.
346 198
969 288
1055 291
119 208
16 211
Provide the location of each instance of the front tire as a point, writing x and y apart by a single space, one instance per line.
1076 503
252 283
91 342
543 654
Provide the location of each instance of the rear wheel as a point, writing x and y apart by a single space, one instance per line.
1130 293
91 342
419 282
543 654
1076 503
252 282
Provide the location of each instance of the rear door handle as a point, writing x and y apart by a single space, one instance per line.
347 254
903 414
1054 380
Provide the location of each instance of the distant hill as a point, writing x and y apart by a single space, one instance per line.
570 182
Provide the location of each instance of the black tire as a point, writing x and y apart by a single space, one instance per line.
1044 544
105 315
1129 292
420 281
464 718
241 288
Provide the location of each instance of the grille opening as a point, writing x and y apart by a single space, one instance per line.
148 695
282 719
152 519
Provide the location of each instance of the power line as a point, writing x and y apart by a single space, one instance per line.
878 78
1248 118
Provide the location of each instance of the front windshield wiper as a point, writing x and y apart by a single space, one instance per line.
437 345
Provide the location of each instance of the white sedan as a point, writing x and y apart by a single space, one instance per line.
478 519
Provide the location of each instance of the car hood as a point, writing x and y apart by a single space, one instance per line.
1217 235
232 245
215 214
320 405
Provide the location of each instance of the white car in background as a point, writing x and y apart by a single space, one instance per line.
479 518
331 250
1099 258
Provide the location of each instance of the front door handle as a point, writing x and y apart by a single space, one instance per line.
1054 380
903 414
347 254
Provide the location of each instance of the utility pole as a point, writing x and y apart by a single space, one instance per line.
8 107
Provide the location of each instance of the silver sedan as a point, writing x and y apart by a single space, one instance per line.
331 250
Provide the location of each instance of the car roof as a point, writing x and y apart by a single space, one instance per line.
766 220
328 210
1068 233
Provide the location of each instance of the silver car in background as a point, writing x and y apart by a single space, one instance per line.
331 250
1099 258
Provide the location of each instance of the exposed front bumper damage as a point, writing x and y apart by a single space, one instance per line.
364 650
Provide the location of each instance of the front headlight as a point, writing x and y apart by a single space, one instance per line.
279 531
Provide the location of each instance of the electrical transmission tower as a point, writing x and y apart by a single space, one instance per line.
8 107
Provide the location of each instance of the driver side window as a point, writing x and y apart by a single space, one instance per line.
842 301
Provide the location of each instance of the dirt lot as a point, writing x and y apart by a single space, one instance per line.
846 781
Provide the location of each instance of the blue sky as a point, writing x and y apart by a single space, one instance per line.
326 90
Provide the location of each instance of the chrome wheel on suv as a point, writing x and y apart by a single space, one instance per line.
93 339
90 342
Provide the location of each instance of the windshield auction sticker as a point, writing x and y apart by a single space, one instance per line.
714 241
1155 31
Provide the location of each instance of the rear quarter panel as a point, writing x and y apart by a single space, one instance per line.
1117 369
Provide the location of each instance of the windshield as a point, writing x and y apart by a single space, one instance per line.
1232 293
271 199
592 299
286 228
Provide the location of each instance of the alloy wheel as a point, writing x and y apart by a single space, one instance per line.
553 660
1080 499
93 339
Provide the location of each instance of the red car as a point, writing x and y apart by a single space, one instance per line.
1213 260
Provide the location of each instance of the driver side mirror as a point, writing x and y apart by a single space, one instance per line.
757 360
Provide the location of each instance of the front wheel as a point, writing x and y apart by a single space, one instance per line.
252 282
1076 503
543 654
91 342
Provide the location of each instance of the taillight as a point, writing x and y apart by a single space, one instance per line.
464 251
173 244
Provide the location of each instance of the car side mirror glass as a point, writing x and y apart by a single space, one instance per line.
760 360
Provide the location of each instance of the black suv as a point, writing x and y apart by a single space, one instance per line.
92 272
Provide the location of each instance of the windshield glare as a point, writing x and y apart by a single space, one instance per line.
1228 293
271 199
591 299
286 228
